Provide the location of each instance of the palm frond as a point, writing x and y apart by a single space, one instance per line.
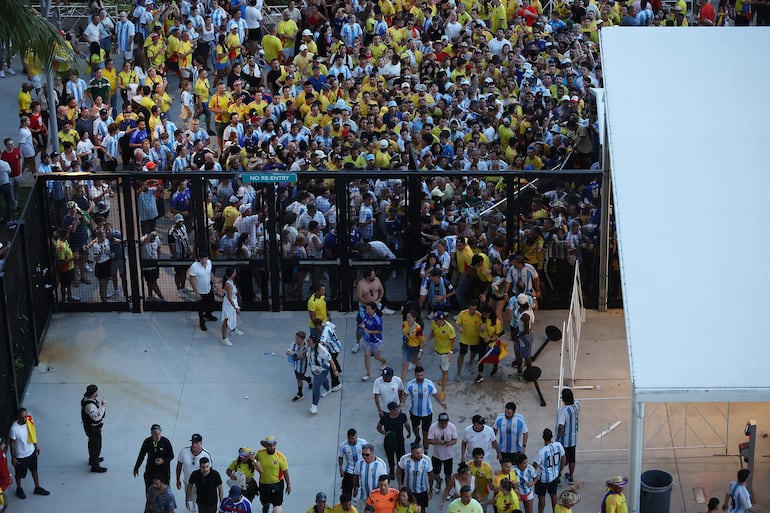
24 31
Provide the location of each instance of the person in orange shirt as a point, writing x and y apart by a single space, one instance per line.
383 499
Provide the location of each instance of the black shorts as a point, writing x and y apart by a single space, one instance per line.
570 453
299 375
24 464
437 464
422 499
103 271
543 489
347 483
151 275
424 422
271 493
253 34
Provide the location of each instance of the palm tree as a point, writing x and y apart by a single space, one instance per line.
24 30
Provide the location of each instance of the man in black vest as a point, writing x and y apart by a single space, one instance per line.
92 412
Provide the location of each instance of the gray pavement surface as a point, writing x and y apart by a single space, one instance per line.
160 368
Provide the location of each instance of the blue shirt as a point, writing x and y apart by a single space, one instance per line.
510 432
568 417
548 461
374 323
420 394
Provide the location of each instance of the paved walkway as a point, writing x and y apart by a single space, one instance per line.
159 368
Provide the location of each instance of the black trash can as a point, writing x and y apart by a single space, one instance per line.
656 492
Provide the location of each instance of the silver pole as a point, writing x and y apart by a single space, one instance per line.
53 129
635 454
604 234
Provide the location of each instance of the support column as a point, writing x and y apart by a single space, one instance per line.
273 249
635 454
604 234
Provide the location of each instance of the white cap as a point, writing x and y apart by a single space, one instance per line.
302 48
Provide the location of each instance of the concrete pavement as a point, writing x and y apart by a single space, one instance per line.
159 368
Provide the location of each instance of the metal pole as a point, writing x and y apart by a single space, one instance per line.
635 454
604 234
345 271
272 223
511 184
53 129
131 241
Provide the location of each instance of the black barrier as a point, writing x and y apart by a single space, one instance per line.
26 302
275 273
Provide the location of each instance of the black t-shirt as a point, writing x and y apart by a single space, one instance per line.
206 487
394 425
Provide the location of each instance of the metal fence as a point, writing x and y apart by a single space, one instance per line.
274 277
26 302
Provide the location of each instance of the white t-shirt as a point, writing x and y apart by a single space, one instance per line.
442 452
18 436
388 392
473 439
202 276
191 462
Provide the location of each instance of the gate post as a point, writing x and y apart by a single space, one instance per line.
272 226
343 244
131 239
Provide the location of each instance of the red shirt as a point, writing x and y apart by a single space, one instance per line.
13 158
707 12
5 475
526 13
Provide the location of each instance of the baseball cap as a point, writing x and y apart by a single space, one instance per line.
370 157
440 315
235 492
71 204
178 218
522 299
196 438
307 32
270 440
387 372
243 208
384 144
302 47
443 417
234 199
320 497
156 427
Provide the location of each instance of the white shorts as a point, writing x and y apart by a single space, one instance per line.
444 360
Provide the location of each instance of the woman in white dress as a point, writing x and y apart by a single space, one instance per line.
230 308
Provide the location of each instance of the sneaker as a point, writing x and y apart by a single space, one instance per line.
325 392
438 484
74 299
388 311
356 348
237 332
365 377
39 490
203 327
89 268
313 408
98 469
411 366
297 397
479 379
337 388
10 71
226 342
19 491
570 478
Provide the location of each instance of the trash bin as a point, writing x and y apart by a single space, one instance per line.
656 492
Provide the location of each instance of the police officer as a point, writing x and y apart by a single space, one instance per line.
92 412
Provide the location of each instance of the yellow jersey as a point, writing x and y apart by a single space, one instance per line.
273 466
470 325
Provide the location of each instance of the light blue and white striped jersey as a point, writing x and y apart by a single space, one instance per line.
125 30
351 454
199 135
524 477
416 472
111 144
218 16
300 364
368 473
420 394
568 417
527 274
77 90
510 432
100 127
740 499
548 461
329 338
181 164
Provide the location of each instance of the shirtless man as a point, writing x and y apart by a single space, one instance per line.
368 289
